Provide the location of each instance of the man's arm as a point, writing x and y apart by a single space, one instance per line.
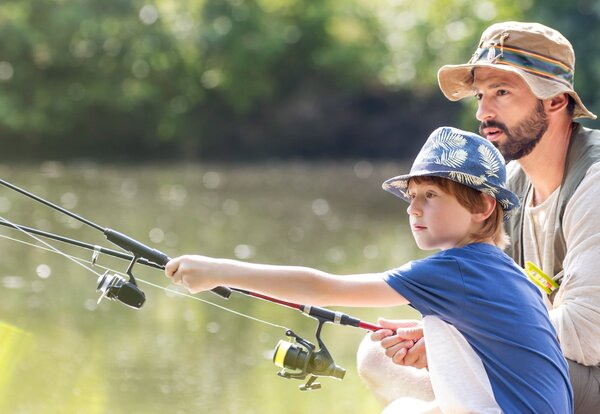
576 307
403 342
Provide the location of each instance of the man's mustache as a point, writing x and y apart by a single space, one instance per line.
492 124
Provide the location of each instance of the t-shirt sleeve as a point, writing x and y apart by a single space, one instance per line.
433 286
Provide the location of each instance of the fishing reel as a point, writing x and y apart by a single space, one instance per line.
115 287
301 358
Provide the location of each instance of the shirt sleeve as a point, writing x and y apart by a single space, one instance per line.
576 308
433 286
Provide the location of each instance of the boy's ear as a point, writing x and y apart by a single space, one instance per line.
489 206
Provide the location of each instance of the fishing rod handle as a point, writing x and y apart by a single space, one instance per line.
140 250
338 318
135 247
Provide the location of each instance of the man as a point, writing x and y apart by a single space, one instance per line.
522 77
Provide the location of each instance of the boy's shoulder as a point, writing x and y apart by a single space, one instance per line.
473 249
482 257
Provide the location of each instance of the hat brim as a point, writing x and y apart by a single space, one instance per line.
399 185
456 82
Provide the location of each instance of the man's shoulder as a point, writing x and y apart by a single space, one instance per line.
585 130
585 137
589 186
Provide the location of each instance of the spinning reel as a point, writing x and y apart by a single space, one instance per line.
115 287
300 359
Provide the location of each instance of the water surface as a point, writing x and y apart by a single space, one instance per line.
61 352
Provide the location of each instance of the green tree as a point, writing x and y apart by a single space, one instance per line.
119 76
251 78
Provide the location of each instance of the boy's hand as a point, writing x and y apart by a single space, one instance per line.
403 342
191 271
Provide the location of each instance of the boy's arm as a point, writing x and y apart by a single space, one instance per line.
292 283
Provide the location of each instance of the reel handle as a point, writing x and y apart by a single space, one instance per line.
141 250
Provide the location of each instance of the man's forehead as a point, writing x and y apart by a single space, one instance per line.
489 76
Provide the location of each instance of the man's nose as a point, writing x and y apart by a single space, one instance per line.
485 111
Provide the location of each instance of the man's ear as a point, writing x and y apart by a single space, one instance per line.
489 206
557 103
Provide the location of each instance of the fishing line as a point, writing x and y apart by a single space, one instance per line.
81 262
49 246
252 318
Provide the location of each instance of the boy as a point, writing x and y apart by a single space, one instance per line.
504 356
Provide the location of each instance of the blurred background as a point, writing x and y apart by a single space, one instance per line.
248 79
254 129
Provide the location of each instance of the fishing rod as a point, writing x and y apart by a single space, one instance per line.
88 246
114 286
297 357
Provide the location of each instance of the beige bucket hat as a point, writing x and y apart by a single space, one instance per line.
541 56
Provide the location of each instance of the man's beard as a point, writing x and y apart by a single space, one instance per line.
523 138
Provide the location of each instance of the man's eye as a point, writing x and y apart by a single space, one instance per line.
502 92
478 96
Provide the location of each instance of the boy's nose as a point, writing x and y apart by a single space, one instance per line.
413 209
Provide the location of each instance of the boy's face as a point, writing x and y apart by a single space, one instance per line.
437 219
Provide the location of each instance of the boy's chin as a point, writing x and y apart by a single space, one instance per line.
427 246
431 246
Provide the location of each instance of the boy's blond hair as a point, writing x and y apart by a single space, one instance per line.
471 199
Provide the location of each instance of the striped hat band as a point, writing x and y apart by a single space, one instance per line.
531 62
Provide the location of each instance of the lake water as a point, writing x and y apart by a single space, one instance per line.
61 352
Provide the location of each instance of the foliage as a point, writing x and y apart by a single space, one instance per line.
578 21
243 78
128 74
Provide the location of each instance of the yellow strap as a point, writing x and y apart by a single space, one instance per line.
541 279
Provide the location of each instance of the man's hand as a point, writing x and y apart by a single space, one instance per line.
403 342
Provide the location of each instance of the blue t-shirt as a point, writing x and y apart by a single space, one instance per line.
481 292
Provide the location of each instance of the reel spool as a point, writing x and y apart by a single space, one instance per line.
301 359
115 287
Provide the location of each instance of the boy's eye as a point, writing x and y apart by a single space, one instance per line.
430 194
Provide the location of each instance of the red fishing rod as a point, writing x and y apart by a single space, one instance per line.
337 318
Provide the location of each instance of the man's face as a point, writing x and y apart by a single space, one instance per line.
512 117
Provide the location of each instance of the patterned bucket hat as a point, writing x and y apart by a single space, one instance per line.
463 157
541 56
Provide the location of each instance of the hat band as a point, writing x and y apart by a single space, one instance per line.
527 61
